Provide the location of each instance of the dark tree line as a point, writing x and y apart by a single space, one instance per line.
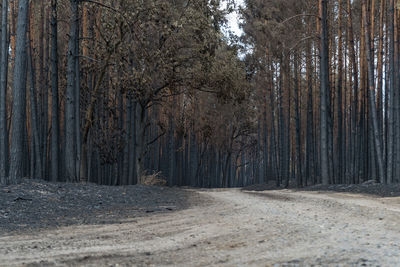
331 71
118 92
123 92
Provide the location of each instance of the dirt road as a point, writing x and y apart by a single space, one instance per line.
235 228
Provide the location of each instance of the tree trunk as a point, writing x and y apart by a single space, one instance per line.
396 98
373 112
172 158
3 93
354 124
381 53
35 135
55 122
225 170
390 112
339 142
43 92
140 142
273 142
127 138
70 119
299 172
324 94
19 97
310 142
132 177
77 106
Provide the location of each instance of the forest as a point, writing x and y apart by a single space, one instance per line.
200 133
114 92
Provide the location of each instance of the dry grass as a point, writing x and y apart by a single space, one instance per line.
155 179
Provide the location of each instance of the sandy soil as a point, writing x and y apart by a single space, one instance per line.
236 228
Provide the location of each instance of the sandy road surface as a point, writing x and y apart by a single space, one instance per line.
237 228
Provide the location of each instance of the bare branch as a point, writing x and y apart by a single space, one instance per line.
299 15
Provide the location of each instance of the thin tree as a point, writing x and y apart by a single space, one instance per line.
55 124
299 162
324 93
70 114
354 66
381 53
339 150
3 93
390 111
36 169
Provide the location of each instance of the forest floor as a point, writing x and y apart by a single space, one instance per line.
92 225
